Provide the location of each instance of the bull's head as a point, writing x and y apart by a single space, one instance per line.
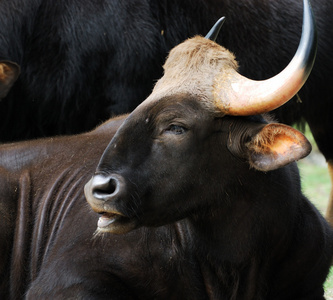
197 136
9 72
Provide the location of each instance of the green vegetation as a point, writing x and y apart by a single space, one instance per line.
329 285
316 183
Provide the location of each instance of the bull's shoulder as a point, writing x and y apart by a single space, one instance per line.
73 149
109 127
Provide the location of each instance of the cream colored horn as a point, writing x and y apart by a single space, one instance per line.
237 95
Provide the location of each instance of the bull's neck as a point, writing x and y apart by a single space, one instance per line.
225 232
225 258
239 239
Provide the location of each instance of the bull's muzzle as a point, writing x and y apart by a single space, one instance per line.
105 195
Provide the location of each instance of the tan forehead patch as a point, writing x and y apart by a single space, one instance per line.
191 68
199 54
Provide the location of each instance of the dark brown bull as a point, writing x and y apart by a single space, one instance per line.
195 160
207 204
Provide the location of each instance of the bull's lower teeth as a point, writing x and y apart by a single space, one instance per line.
104 221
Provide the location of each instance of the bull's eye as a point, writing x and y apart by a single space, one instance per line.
176 129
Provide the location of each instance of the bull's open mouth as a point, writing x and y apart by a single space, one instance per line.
106 219
115 223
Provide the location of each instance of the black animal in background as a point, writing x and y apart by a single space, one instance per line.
84 61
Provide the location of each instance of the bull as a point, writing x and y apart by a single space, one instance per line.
198 160
203 202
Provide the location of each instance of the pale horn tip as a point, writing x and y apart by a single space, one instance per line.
214 32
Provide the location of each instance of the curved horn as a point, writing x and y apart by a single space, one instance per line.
235 94
214 32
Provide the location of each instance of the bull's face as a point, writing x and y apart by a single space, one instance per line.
173 158
159 165
181 150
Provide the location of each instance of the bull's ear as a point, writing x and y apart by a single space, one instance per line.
9 72
275 146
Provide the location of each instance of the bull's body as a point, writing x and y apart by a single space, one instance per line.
48 250
43 207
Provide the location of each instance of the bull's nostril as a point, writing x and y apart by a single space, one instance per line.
108 188
104 187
